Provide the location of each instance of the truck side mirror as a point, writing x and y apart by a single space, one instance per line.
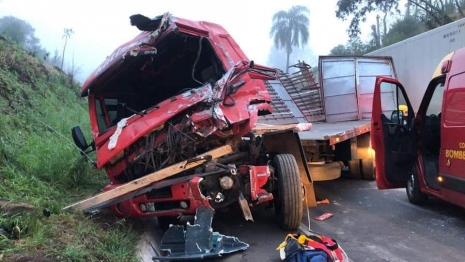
79 138
397 116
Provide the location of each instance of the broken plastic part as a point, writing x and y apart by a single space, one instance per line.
324 216
114 137
198 241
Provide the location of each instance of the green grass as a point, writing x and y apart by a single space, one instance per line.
41 168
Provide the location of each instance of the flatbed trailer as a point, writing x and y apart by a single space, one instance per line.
335 132
339 110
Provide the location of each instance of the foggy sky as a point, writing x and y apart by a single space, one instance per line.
101 26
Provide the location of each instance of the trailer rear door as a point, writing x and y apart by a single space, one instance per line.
347 85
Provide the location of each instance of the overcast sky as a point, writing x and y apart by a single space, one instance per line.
100 26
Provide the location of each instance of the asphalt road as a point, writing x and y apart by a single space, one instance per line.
370 225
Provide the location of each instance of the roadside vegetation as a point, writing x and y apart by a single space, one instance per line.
41 171
392 24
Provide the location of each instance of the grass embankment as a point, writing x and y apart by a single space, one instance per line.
40 168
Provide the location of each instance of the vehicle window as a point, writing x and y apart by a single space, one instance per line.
394 104
111 107
100 116
454 114
435 104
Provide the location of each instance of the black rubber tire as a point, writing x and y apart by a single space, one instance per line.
355 169
325 172
288 203
368 169
414 194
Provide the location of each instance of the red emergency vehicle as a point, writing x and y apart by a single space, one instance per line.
423 151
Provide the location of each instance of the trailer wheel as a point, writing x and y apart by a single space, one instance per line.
288 203
414 194
368 169
325 171
355 169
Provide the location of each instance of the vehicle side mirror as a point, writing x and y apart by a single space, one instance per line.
79 138
397 116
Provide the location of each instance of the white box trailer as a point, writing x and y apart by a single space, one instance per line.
416 58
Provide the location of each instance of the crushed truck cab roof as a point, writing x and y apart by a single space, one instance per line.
156 41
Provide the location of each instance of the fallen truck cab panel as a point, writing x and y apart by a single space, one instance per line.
178 90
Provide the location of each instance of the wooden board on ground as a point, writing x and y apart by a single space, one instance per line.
125 191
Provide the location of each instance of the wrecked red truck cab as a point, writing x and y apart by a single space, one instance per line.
179 89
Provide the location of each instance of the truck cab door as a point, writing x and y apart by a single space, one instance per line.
392 134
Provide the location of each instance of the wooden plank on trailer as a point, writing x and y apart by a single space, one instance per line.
145 181
261 129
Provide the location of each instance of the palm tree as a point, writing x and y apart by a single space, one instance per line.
67 32
290 29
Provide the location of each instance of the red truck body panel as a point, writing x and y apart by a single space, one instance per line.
238 119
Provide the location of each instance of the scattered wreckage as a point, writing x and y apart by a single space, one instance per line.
175 116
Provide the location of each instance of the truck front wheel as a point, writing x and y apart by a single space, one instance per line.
288 195
414 194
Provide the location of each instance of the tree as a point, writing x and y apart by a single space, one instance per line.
17 29
354 46
402 29
433 13
290 29
21 32
56 58
67 32
72 73
277 58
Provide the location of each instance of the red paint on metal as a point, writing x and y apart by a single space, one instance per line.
258 177
224 45
228 108
138 126
184 191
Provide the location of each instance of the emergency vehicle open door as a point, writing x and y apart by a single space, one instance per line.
392 134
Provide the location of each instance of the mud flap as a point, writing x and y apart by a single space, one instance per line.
274 142
198 241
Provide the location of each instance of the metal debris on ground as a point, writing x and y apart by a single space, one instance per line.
198 241
324 216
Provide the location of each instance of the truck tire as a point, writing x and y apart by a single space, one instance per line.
355 169
368 169
324 172
288 203
414 194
